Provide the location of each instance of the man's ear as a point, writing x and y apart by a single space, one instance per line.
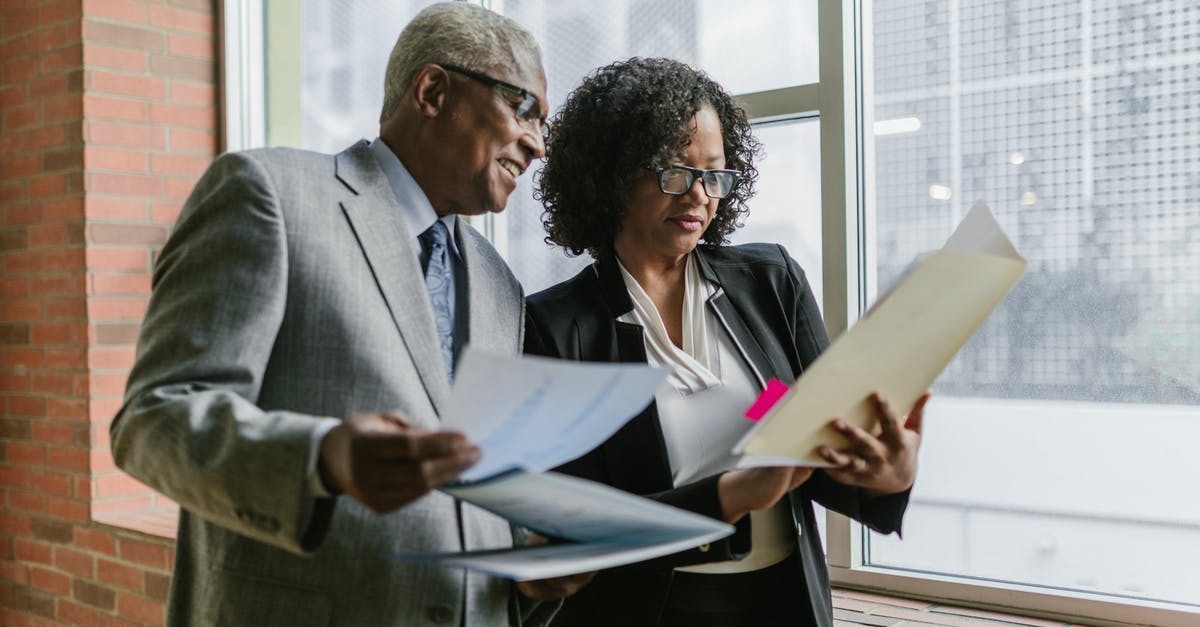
429 89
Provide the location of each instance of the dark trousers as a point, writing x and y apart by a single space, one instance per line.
762 598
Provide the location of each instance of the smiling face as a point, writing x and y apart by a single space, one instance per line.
658 227
484 147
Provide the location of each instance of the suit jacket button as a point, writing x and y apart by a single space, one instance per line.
704 548
441 614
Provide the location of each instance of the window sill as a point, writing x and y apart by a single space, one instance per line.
851 607
157 520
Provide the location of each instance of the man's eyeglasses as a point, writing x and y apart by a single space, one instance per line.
529 111
677 180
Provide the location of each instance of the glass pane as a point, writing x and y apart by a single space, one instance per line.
344 46
787 208
1058 447
762 44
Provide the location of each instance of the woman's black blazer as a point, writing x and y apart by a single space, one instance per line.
764 302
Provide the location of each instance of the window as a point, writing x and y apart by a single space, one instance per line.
1058 442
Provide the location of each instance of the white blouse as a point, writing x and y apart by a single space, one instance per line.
700 406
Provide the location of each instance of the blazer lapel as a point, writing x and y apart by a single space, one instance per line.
747 343
487 300
374 215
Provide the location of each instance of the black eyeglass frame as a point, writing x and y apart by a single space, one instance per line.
529 102
693 174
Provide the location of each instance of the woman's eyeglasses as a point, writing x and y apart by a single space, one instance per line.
677 180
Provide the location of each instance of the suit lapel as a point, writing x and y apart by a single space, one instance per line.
485 325
374 215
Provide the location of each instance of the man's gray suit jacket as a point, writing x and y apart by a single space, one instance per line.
290 291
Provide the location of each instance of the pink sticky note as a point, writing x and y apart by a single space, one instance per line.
765 401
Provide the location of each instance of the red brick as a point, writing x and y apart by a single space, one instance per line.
191 116
105 108
120 284
14 524
165 212
114 208
157 585
75 562
105 309
48 85
51 185
23 357
127 85
48 38
126 135
100 56
68 58
23 214
26 454
18 21
24 406
180 189
14 288
122 504
145 553
193 93
83 486
101 461
65 259
119 259
135 234
74 510
23 166
21 311
101 412
47 136
66 108
14 382
130 184
47 235
66 308
120 575
76 614
59 11
176 19
27 502
96 157
33 551
93 594
53 582
53 383
18 118
58 284
96 541
21 70
117 10
123 333
191 46
183 68
53 432
52 482
63 209
116 358
122 36
118 485
14 572
141 608
67 459
189 165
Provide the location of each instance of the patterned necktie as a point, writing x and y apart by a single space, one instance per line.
438 283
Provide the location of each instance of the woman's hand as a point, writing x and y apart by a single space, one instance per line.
880 465
751 489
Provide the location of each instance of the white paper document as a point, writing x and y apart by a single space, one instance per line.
537 413
899 347
604 527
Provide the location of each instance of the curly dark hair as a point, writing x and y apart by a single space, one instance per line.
626 117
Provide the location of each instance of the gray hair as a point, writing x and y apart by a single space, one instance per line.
458 33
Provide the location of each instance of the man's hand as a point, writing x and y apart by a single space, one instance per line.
881 465
751 489
384 463
553 588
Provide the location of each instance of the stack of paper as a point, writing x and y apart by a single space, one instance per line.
528 414
899 347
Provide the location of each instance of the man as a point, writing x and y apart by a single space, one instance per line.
297 348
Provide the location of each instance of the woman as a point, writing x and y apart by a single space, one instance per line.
649 167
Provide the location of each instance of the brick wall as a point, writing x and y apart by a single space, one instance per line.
108 117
